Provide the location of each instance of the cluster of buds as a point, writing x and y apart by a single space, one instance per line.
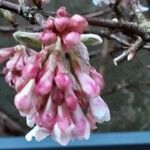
57 89
67 28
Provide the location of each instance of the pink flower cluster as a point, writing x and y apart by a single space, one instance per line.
57 91
67 28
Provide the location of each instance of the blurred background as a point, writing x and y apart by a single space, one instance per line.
127 86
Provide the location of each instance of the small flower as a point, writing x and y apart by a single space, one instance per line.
70 40
78 23
61 23
89 86
82 126
99 109
23 99
5 53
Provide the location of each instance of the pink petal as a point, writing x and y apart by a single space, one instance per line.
89 86
62 80
47 118
11 64
23 100
5 53
64 119
32 67
44 86
70 99
82 126
97 77
58 136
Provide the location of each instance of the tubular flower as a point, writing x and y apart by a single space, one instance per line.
55 85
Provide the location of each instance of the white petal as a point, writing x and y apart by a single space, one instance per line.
30 122
87 131
99 109
38 133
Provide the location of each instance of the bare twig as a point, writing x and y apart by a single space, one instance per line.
139 43
35 16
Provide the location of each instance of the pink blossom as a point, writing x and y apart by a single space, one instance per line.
89 86
23 98
61 23
78 23
5 53
32 66
48 37
97 77
57 89
62 79
47 117
62 131
82 126
62 12
99 109
70 40
11 64
44 85
71 99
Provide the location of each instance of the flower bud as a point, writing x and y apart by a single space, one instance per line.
71 99
97 77
70 40
64 119
47 118
82 126
23 100
32 66
89 86
11 64
44 85
78 23
48 38
61 23
62 80
49 24
62 12
5 53
99 109
62 131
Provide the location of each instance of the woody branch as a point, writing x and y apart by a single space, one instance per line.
35 15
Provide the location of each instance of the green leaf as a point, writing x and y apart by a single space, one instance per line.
29 39
91 39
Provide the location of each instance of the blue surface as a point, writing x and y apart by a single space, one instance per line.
96 140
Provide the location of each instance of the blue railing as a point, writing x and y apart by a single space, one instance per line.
101 141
